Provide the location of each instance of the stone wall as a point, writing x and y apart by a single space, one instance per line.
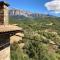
6 16
3 15
5 54
9 37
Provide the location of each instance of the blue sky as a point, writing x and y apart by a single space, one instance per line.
30 5
37 6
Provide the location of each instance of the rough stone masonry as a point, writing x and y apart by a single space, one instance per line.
8 33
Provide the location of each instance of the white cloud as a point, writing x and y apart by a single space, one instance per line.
53 5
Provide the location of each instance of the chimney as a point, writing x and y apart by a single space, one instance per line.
3 13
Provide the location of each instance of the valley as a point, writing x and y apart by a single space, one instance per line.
41 38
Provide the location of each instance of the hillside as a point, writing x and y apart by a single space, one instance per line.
42 38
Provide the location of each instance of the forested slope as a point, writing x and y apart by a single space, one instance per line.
42 39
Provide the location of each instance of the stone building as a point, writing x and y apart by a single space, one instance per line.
8 33
3 13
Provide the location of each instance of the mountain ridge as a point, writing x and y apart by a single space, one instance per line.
21 12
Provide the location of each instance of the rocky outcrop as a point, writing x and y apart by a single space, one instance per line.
14 12
16 38
19 12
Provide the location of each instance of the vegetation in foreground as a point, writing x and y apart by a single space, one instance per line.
42 39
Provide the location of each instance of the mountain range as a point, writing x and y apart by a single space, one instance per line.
17 12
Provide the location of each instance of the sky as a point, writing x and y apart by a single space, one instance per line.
30 5
51 7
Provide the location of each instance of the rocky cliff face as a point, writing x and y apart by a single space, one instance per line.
14 12
17 12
